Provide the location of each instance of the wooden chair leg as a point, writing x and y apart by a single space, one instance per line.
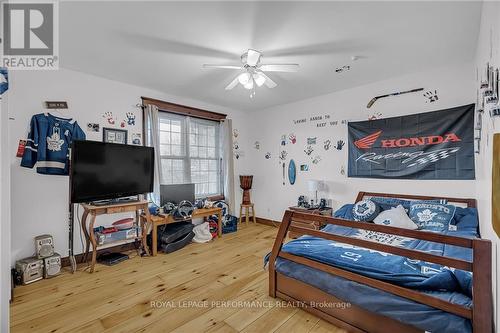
247 217
253 215
241 216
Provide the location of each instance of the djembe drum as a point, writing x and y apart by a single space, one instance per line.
246 185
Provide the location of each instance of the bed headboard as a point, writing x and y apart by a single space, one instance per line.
460 202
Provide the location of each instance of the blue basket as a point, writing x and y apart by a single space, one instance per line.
230 224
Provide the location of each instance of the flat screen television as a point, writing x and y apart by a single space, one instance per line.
101 171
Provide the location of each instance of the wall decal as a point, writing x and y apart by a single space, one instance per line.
375 115
283 155
284 173
283 140
292 172
108 115
431 96
20 148
342 170
304 167
311 141
334 123
327 144
268 155
256 145
418 146
316 159
236 145
137 139
93 127
122 124
239 154
344 121
235 133
340 145
292 138
308 150
130 118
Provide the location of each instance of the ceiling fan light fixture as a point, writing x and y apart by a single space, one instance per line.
259 79
244 78
249 85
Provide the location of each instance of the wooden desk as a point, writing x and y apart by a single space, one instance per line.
162 219
95 211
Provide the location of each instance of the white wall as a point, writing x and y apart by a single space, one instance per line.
488 50
4 219
39 202
455 86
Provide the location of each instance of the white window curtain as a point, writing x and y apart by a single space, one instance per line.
152 139
226 134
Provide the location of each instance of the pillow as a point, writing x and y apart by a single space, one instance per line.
365 210
388 203
431 216
395 217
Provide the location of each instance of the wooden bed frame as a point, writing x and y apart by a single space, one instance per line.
356 319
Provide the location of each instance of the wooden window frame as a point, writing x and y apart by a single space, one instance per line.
183 109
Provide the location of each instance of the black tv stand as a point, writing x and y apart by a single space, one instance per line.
117 201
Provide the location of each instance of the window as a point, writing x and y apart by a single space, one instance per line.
190 153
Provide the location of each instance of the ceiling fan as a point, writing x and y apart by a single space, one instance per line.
253 71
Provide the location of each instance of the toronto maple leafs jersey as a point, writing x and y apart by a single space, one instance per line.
48 143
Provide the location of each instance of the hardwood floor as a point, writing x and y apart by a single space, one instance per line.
179 292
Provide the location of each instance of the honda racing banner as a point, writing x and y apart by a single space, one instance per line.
431 145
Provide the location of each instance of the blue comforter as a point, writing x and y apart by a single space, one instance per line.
387 267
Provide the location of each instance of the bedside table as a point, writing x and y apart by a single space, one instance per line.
308 224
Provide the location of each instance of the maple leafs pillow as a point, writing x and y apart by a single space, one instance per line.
431 216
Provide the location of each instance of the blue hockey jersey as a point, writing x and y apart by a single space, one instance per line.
4 80
48 144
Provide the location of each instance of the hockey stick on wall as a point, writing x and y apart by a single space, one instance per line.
374 99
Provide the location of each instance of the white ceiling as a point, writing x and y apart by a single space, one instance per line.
162 45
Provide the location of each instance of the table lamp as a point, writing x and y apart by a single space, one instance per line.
314 186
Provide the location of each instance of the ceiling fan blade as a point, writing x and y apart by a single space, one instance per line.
252 57
221 66
232 84
269 83
279 67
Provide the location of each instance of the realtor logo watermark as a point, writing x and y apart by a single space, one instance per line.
30 35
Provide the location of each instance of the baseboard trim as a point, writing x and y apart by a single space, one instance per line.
268 222
119 248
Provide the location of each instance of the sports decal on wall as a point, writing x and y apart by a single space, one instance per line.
236 145
292 138
431 96
340 145
130 118
316 159
283 155
311 141
375 115
238 154
256 145
108 115
308 150
93 127
283 140
342 170
327 144
292 172
431 145
268 155
137 139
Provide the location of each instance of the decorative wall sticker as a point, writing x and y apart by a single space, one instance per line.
431 96
308 150
283 140
239 154
236 145
256 145
268 155
283 155
311 141
316 159
375 115
292 172
122 124
327 144
137 139
304 167
342 170
93 127
344 122
108 115
130 118
334 123
236 133
292 138
340 145
284 173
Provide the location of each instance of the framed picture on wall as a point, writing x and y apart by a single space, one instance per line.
113 135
